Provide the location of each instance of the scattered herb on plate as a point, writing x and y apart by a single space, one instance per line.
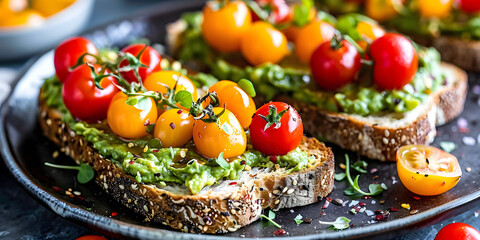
355 190
85 171
270 218
340 223
298 219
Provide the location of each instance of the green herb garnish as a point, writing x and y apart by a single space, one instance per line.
247 86
298 219
339 224
184 98
360 166
374 189
448 146
339 176
271 216
221 161
85 171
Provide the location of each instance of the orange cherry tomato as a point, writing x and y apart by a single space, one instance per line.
50 7
158 81
174 128
225 136
236 100
435 8
129 121
292 31
310 37
224 28
27 17
262 43
427 170
369 32
381 10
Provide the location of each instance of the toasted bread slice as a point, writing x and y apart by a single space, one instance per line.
379 136
220 208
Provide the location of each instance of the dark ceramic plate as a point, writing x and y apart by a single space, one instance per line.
25 150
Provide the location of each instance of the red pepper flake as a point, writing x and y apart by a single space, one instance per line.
362 204
71 196
146 123
279 232
322 213
172 125
379 217
80 197
57 189
242 162
416 198
233 183
393 209
179 111
329 199
366 197
131 162
463 130
155 150
114 214
325 205
273 159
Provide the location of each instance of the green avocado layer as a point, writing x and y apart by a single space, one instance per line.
162 165
361 98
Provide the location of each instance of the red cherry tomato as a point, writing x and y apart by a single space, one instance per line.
458 231
469 6
281 137
279 10
68 52
395 61
83 99
149 57
333 68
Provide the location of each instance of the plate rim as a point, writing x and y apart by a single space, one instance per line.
71 211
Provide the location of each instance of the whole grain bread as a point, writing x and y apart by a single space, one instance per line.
221 208
379 136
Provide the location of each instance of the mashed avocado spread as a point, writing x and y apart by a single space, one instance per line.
148 162
361 97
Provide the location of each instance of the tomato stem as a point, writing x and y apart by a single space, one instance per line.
273 117
351 41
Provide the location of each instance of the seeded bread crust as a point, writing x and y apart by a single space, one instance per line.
222 208
380 137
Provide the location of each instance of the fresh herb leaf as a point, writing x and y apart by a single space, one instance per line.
154 143
85 171
339 176
339 224
271 216
247 86
448 146
354 183
184 98
221 161
140 102
301 13
375 189
384 186
360 166
298 219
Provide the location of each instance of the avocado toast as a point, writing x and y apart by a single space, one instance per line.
359 116
179 186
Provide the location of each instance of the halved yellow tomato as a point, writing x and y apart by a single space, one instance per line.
426 170
382 10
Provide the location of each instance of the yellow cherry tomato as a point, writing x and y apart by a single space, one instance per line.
50 7
236 100
12 6
26 17
369 32
158 81
427 170
225 136
174 128
262 43
381 10
310 37
435 8
129 121
223 28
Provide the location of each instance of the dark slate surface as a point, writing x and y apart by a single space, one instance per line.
22 217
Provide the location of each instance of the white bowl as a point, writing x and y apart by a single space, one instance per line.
25 41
